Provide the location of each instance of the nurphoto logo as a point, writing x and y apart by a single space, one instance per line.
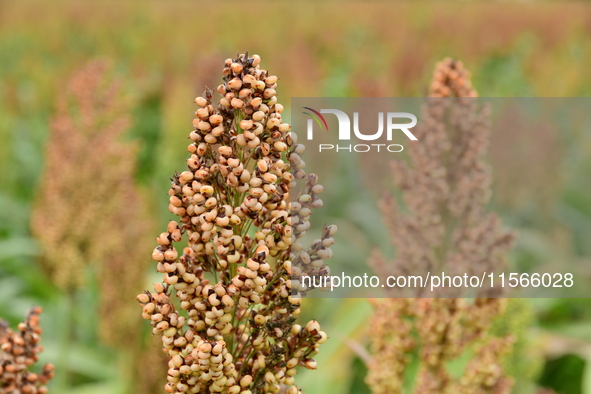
390 119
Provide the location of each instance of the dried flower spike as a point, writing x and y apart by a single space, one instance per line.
445 188
19 350
241 219
89 211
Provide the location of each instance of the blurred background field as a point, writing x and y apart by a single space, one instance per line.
166 52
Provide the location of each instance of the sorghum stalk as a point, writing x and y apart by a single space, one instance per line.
234 329
445 190
19 350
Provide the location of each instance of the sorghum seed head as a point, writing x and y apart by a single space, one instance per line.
242 168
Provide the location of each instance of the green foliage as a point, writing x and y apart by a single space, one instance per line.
564 374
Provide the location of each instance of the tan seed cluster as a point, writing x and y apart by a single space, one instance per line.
451 79
226 307
19 350
484 373
391 345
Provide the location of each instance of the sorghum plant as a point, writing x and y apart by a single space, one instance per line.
19 350
445 190
89 215
89 211
232 328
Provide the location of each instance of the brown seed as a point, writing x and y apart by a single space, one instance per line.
248 79
205 347
204 126
259 85
258 116
310 364
312 326
218 131
272 123
245 93
157 255
200 101
202 113
236 68
215 119
217 349
246 124
268 93
235 84
171 255
262 165
143 298
280 146
256 102
237 103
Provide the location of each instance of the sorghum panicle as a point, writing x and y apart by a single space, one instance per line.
89 212
235 331
445 190
19 350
